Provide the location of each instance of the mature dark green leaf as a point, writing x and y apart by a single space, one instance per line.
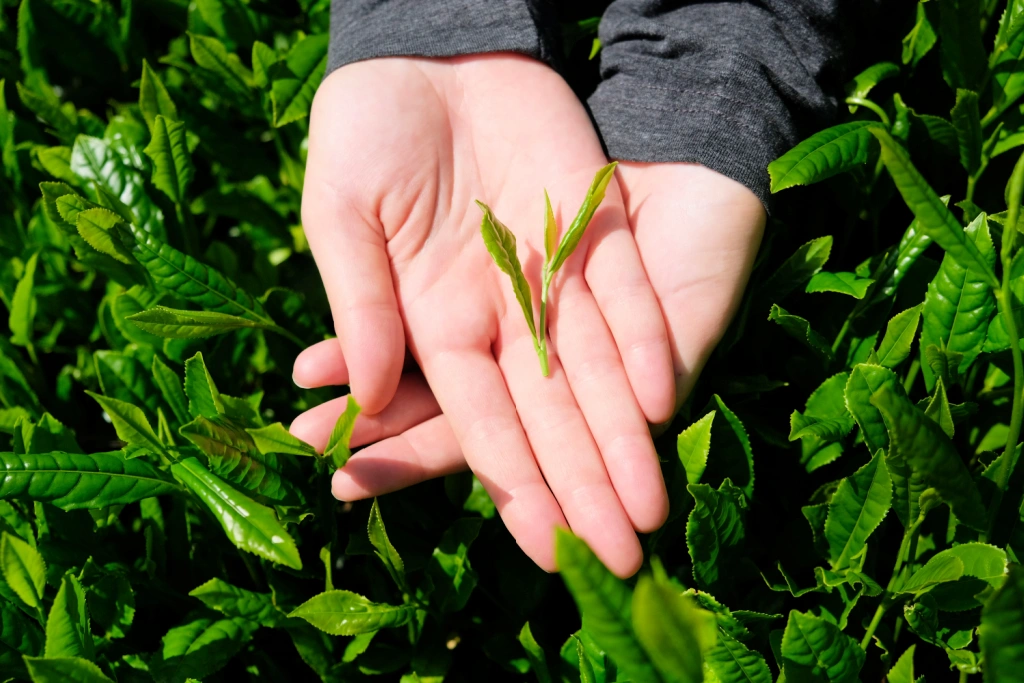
275 438
823 155
928 452
674 632
67 626
960 49
125 378
203 398
293 86
715 533
857 508
606 604
816 650
805 263
172 164
235 602
592 200
72 481
177 324
199 648
967 122
959 302
23 305
170 386
1002 630
110 597
249 525
733 456
343 613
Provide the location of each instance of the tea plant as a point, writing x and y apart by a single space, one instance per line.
159 523
501 245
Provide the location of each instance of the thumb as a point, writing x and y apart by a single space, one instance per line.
349 249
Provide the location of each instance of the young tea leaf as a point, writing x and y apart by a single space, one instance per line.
337 448
899 335
172 164
800 329
343 613
154 100
62 669
67 626
841 283
815 649
382 547
857 508
715 533
967 122
130 423
535 653
234 602
275 438
864 82
172 323
23 569
501 245
693 446
674 632
593 199
292 89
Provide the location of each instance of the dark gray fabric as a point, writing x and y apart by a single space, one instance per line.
729 84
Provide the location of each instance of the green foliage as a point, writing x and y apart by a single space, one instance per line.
157 286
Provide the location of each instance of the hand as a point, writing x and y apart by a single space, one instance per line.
398 151
698 233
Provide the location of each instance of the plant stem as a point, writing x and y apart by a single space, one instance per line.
915 365
842 334
883 607
861 102
887 597
541 340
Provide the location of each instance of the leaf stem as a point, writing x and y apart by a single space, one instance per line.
915 366
842 334
887 597
541 341
861 102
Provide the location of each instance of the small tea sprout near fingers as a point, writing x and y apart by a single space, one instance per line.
501 244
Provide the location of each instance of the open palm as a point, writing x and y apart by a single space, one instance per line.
399 149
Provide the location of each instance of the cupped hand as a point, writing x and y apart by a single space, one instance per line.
399 149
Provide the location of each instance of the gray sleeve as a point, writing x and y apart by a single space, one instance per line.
364 29
729 84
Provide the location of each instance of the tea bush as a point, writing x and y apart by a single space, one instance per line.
158 522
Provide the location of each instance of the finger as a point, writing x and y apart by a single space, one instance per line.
568 456
349 250
470 389
412 405
627 302
423 452
602 390
321 365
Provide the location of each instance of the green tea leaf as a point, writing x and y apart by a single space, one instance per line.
24 570
23 308
823 155
275 438
715 533
130 423
815 649
203 398
154 100
110 597
1008 81
235 602
967 122
337 448
841 283
550 230
693 446
899 336
732 662
921 38
605 602
864 82
938 408
733 457
804 264
382 547
1002 630
249 526
211 54
800 329
857 508
903 670
960 303
64 670
100 229
67 626
294 85
199 648
73 481
960 50
172 164
449 568
593 199
173 323
937 570
343 613
934 218
535 653
263 60
929 453
672 630
170 386
501 245
587 674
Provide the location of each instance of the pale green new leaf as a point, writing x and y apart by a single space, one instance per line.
170 386
263 59
449 568
211 54
100 228
275 438
534 653
937 570
172 164
864 82
921 38
732 662
235 602
800 329
203 398
249 526
22 317
921 443
382 546
903 670
587 674
840 283
693 446
292 90
815 649
343 613
899 336
823 155
857 508
130 423
64 670
23 568
672 629
154 100
550 229
67 626
501 245
173 323
593 199
337 448
938 408
605 603
73 481
935 219
1002 630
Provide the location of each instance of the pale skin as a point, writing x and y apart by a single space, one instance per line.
399 148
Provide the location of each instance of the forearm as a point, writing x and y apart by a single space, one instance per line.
365 29
730 85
